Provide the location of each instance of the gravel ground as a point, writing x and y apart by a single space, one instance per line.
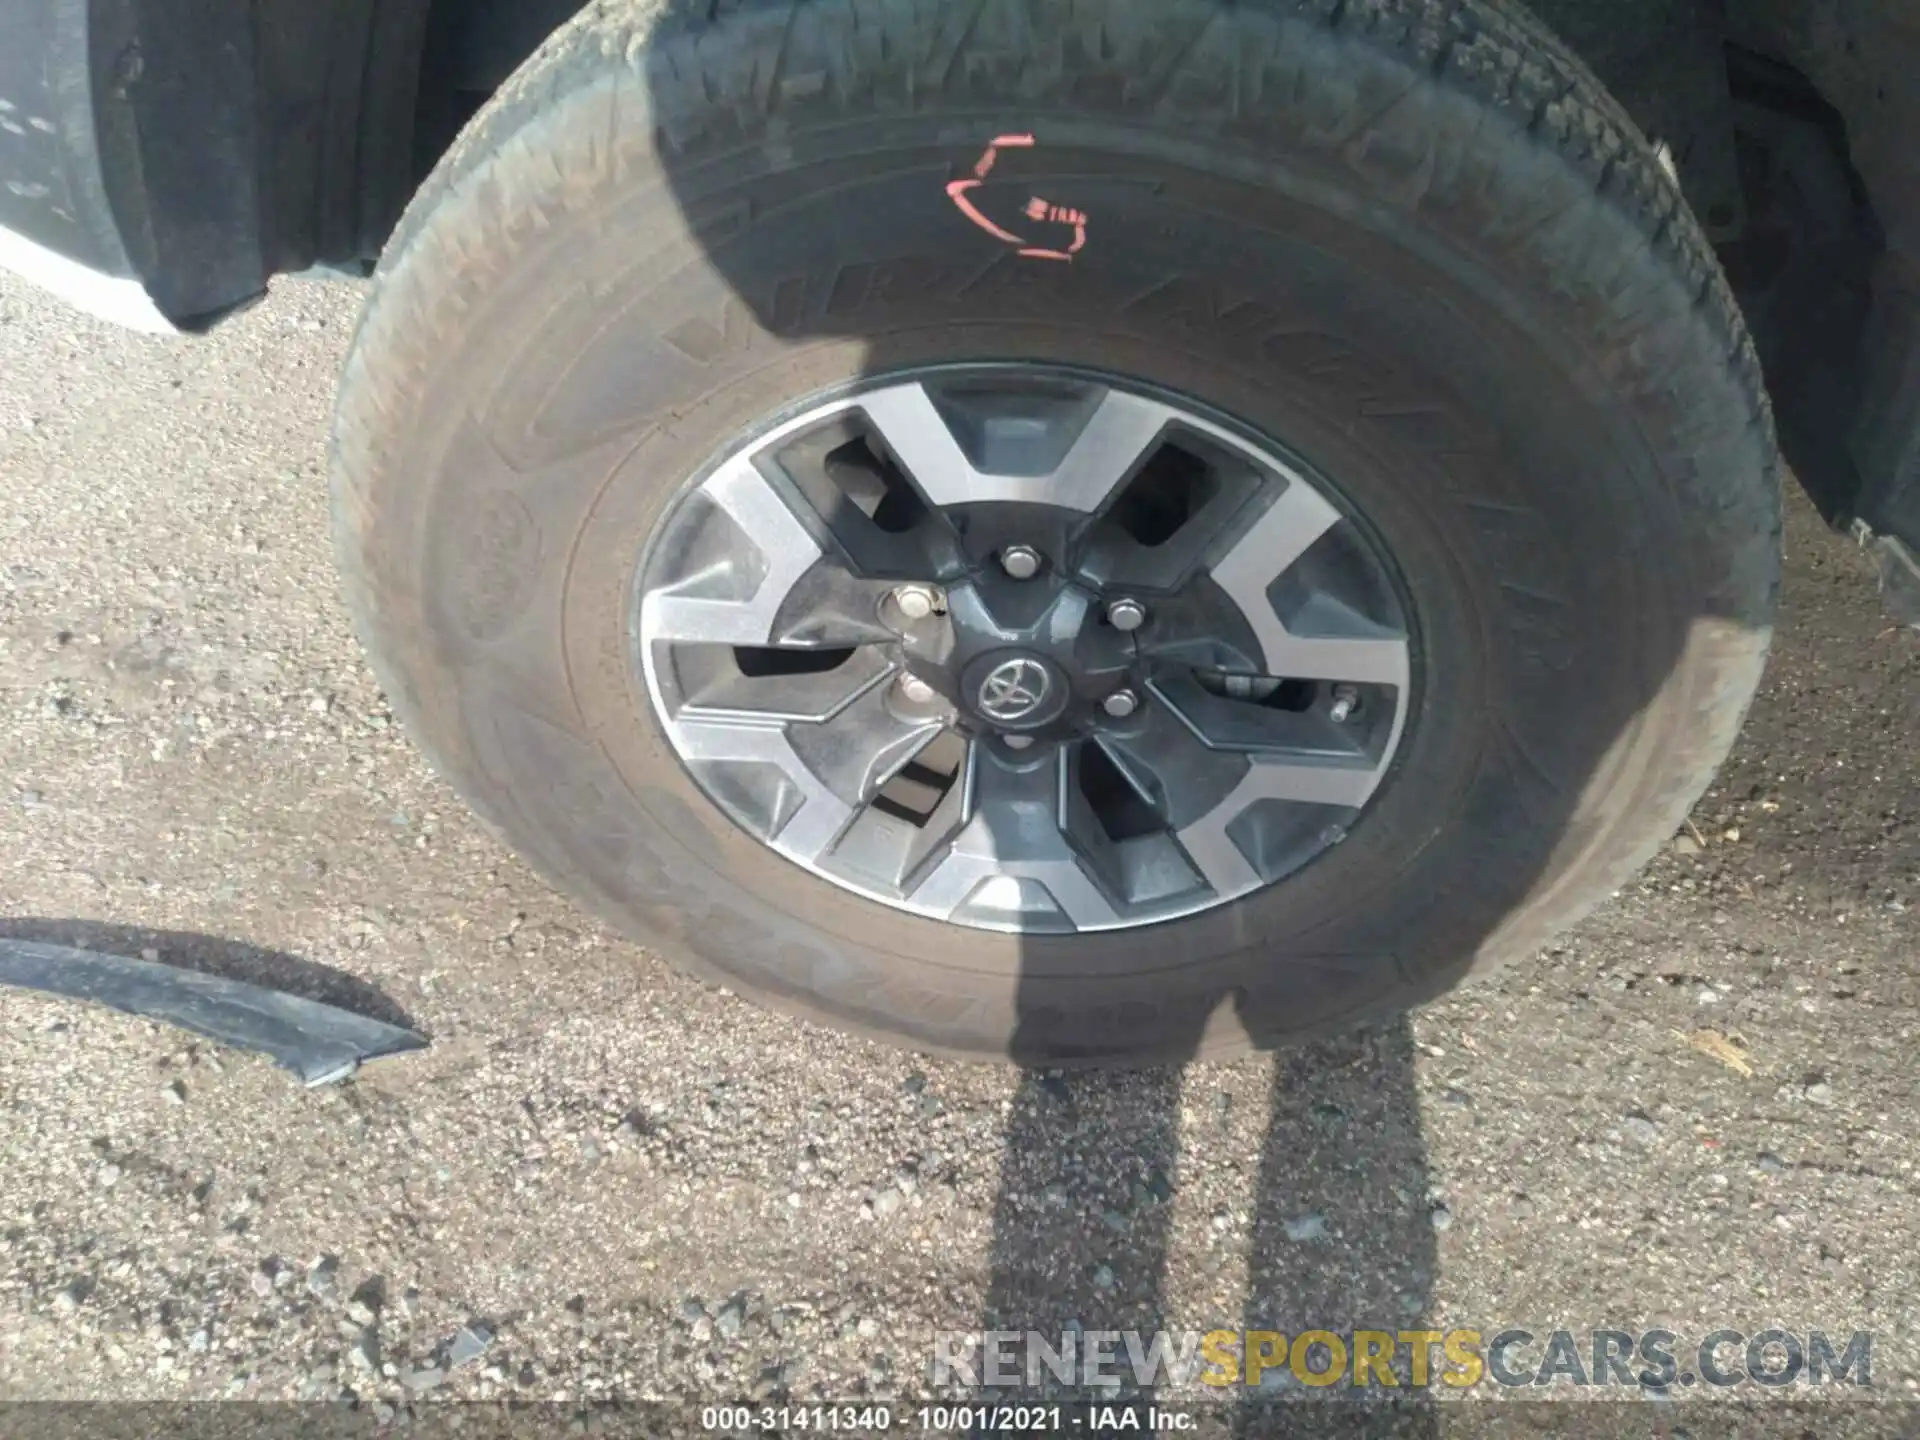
603 1179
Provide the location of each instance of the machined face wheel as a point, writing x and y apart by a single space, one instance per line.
1026 649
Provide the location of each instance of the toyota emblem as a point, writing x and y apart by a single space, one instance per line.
1013 690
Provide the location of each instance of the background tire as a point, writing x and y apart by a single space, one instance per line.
1415 242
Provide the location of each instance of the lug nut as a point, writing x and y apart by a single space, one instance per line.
1022 562
1126 614
1016 742
914 690
916 602
1120 704
1346 700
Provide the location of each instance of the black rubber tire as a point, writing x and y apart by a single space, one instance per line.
1415 241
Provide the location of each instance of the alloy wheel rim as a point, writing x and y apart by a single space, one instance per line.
1026 648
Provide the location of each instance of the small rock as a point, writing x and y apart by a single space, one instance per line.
364 1353
1641 1129
150 955
1441 1217
107 1176
886 1202
322 1276
1819 1093
1521 1207
1103 1277
1771 1163
867 1328
199 1342
589 1149
691 1310
1055 1194
731 1318
262 1279
362 1310
469 1345
1685 845
1159 1185
914 1083
1113 1219
175 1093
421 1381
1307 1227
67 1299
1456 1097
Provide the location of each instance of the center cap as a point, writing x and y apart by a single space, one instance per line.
1013 689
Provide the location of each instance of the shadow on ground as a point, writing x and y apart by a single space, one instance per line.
1341 1237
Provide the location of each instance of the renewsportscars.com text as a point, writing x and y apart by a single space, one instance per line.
1511 1356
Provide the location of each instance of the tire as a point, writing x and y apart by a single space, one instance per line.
1417 241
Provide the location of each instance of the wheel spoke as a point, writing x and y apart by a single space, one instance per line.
911 816
736 598
791 806
714 683
1111 441
1282 533
1300 757
1337 644
1209 841
1115 440
1248 725
857 750
1169 765
1011 866
1357 659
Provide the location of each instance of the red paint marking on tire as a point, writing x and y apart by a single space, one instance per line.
1000 142
1036 209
